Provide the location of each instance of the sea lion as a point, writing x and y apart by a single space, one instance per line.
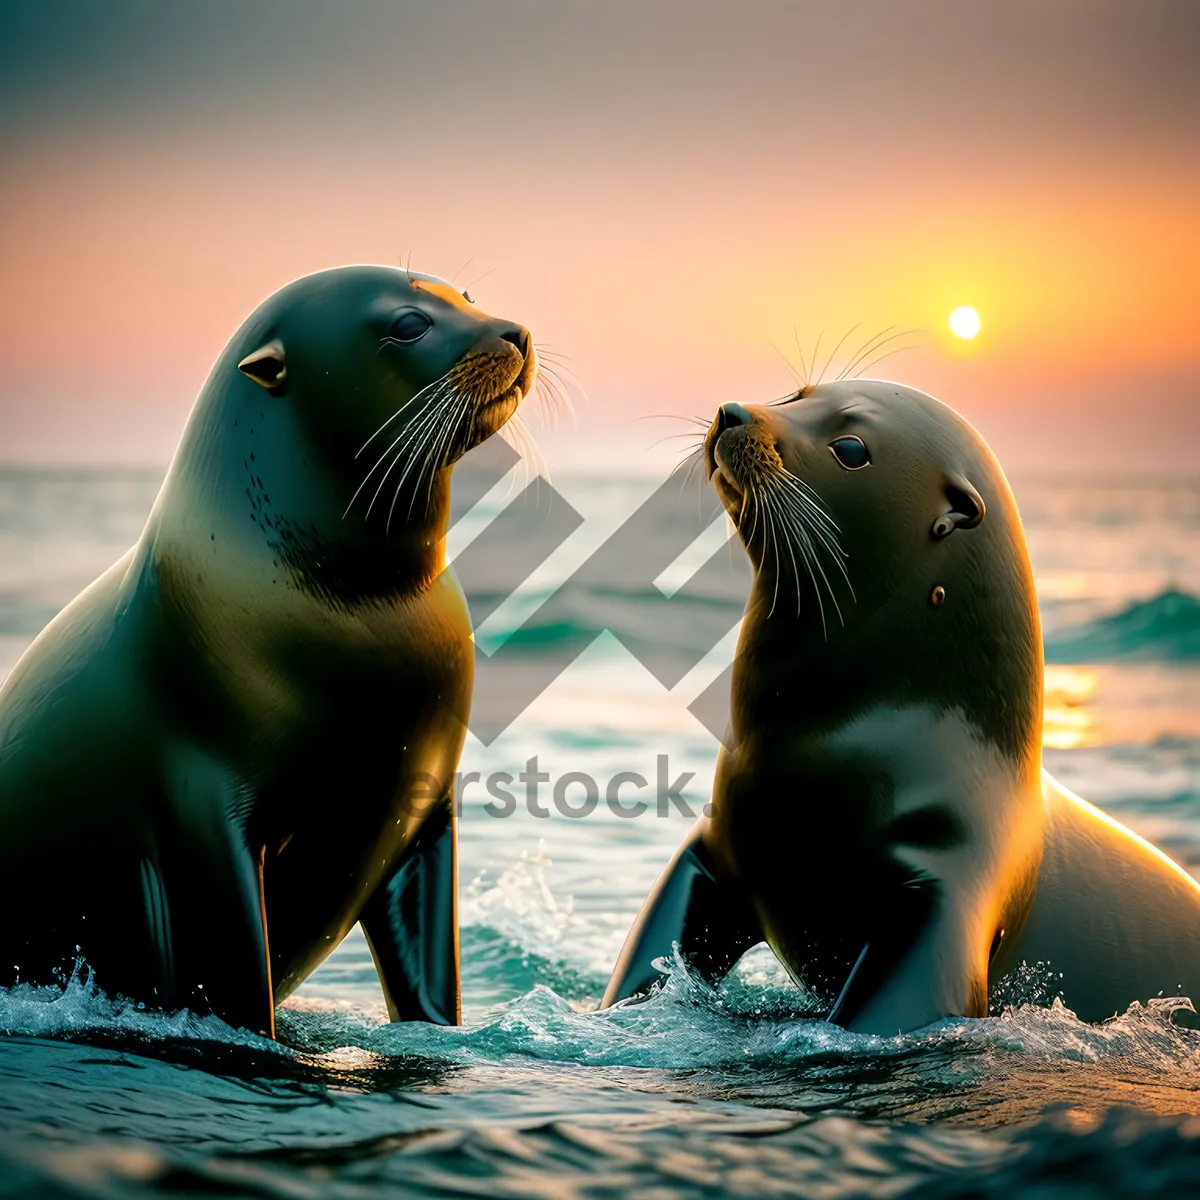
880 814
226 751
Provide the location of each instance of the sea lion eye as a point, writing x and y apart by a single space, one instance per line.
851 452
410 326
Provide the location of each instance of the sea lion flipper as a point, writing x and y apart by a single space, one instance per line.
915 968
691 906
158 932
411 925
212 874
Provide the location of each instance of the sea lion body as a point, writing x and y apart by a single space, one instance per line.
1113 917
238 742
880 815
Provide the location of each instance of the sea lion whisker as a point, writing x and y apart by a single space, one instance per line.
881 357
700 422
560 364
533 455
478 278
769 535
872 346
430 400
811 537
674 437
812 555
412 399
803 364
563 376
696 456
826 535
409 441
839 557
787 543
417 433
771 541
534 450
809 557
825 538
865 348
420 452
807 493
816 350
749 497
806 496
546 348
833 352
520 437
400 437
792 558
405 435
787 363
440 444
809 505
549 404
514 434
564 381
414 430
780 504
436 459
553 391
788 398
471 410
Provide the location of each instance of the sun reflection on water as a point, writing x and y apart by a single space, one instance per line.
1066 723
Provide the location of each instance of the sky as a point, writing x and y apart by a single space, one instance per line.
677 197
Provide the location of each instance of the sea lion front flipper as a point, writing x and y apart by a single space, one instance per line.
709 918
914 969
411 924
213 877
158 933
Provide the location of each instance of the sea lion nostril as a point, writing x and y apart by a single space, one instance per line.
519 338
731 414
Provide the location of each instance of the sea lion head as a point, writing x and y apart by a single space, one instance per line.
395 373
890 563
326 432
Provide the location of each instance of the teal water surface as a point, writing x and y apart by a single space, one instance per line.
693 1092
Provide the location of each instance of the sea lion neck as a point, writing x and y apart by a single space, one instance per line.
283 495
977 652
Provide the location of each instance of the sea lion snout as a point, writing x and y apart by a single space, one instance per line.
508 342
731 414
500 366
517 336
740 450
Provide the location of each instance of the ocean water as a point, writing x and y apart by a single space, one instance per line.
693 1092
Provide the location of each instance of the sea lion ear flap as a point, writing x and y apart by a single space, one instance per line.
266 365
964 508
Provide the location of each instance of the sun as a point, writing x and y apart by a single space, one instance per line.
964 322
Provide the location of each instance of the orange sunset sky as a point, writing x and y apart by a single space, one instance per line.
659 190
